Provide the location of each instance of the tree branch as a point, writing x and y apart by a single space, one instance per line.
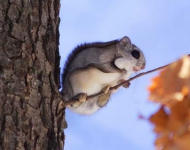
118 85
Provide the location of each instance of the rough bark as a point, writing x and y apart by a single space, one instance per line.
29 75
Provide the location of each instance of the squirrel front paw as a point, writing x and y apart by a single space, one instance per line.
106 89
126 84
81 99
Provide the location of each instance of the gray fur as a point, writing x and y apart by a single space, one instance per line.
96 55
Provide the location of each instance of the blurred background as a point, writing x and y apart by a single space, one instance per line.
160 28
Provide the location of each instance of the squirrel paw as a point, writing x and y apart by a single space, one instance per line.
82 97
125 85
106 89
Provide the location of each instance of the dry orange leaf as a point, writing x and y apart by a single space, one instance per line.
172 121
179 116
173 126
172 83
160 119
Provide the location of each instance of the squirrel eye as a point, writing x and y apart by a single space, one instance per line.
136 54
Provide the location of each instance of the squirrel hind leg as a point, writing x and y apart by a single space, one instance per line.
103 99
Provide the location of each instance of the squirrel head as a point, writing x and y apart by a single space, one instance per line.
132 57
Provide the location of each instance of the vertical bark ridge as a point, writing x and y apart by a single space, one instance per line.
29 63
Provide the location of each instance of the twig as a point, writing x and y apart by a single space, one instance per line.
118 85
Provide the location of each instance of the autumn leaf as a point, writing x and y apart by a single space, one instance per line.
160 119
172 84
172 121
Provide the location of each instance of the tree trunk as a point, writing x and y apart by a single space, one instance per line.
29 75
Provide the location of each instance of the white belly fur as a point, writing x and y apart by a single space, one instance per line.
92 81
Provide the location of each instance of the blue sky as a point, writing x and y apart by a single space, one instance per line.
160 28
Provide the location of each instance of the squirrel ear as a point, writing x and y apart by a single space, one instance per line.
125 42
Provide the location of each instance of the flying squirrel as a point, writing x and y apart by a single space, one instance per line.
95 67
